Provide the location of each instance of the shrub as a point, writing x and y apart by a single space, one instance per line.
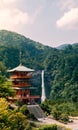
49 127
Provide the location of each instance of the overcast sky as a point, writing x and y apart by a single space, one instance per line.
51 22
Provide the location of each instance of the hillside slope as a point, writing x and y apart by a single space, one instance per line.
61 66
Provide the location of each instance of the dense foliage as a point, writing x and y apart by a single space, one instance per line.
5 88
13 119
65 82
60 110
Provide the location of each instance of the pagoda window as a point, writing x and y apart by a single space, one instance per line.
24 94
15 82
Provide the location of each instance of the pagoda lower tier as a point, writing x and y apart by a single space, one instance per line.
28 99
24 95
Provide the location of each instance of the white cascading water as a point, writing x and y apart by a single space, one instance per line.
43 96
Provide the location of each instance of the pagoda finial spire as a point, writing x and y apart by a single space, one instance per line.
20 57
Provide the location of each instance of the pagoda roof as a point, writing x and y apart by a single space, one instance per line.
21 68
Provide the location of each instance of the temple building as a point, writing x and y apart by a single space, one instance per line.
21 80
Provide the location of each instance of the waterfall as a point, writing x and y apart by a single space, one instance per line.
43 96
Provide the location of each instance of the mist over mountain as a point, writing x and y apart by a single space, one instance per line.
60 64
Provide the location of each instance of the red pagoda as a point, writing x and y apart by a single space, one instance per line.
21 81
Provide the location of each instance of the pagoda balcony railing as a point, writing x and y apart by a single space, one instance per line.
27 97
20 76
21 85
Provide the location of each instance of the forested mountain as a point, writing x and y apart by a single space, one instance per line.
61 66
63 46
